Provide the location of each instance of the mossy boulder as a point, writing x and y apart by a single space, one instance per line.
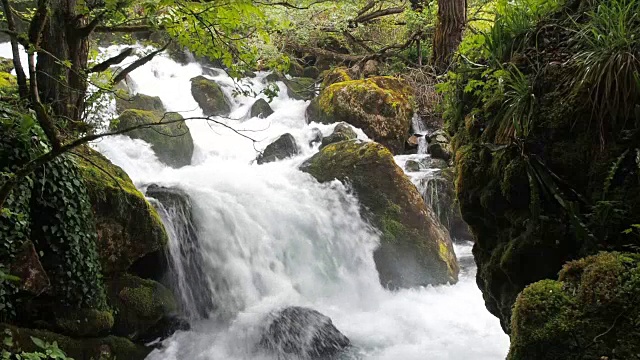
8 83
261 109
104 348
209 95
415 248
300 88
284 147
335 75
172 142
128 226
341 132
381 106
591 312
84 322
6 65
140 102
140 304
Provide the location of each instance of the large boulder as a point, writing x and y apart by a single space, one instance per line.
380 106
260 109
6 65
110 347
128 226
140 102
591 312
302 332
284 147
300 88
415 248
439 146
209 95
341 132
335 75
140 304
171 142
83 322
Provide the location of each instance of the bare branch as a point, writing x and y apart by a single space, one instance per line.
136 64
111 61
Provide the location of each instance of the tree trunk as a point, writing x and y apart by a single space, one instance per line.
452 18
62 63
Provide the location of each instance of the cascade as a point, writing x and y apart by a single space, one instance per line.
259 238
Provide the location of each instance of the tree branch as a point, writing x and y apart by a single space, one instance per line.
111 61
87 30
23 89
136 64
124 29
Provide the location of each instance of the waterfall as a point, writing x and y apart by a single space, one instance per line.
251 239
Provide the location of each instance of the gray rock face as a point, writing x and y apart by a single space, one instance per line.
209 96
261 109
301 88
303 333
341 132
316 136
439 146
285 146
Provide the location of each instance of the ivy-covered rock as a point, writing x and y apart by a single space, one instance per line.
284 147
172 142
300 88
381 106
591 312
84 322
17 340
128 226
28 268
140 102
261 109
140 304
209 95
415 248
341 132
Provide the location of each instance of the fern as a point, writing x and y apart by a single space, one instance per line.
612 173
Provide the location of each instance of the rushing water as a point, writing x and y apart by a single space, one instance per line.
271 236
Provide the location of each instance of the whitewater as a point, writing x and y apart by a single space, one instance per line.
271 236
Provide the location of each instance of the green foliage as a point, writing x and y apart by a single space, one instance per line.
64 229
47 350
608 59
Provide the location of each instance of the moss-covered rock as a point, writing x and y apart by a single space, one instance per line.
8 83
261 109
381 106
209 95
172 142
140 102
440 195
300 88
84 322
128 226
341 132
333 76
140 304
103 348
6 65
591 312
415 249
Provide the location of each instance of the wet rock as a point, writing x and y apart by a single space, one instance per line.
139 304
261 109
310 72
380 106
440 147
284 147
341 132
316 136
303 332
172 142
140 102
28 268
301 88
333 76
432 163
415 248
273 77
209 95
83 322
412 166
370 68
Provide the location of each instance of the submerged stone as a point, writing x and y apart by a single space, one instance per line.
260 109
303 332
341 132
284 147
209 95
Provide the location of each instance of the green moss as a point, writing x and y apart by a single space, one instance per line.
103 348
8 83
334 76
6 65
141 102
381 106
128 226
84 322
590 313
140 304
209 96
301 88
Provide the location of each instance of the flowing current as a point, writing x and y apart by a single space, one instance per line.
270 236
